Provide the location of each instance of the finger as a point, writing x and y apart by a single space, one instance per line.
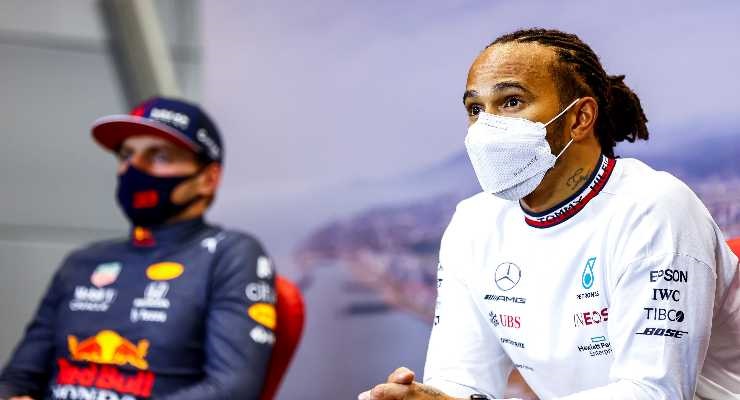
389 391
365 396
403 376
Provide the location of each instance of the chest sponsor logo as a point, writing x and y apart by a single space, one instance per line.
674 333
100 382
587 280
92 299
507 276
590 317
598 346
512 343
211 243
669 275
164 271
504 320
105 274
505 299
264 314
260 292
108 347
150 308
264 267
667 294
261 335
662 314
588 277
587 295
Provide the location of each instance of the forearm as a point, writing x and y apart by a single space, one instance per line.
241 387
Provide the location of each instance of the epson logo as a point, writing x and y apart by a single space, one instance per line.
168 116
669 275
495 297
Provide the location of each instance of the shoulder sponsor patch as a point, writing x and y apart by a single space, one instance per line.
164 271
105 274
264 267
263 314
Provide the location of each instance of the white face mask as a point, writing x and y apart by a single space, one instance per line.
510 156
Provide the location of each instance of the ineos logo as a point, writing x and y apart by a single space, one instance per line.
507 276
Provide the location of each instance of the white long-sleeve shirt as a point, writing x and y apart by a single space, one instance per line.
627 290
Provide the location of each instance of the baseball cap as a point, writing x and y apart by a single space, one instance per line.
177 121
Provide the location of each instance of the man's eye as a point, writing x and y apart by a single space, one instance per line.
512 102
162 158
475 109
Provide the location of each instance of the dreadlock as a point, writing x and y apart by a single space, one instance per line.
579 73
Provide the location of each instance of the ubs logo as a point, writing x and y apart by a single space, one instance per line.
507 276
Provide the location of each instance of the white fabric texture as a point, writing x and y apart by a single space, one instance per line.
624 300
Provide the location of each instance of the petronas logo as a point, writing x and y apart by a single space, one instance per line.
587 278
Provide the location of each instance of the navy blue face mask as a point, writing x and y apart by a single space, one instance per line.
147 200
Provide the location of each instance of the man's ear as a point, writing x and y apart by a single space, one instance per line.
583 120
210 179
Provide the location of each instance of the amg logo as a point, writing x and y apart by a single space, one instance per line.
495 297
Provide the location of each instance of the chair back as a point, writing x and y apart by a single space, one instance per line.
290 312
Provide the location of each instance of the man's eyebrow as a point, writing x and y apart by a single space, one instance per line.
469 93
509 85
498 87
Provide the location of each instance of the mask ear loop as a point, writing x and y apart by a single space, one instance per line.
558 116
563 112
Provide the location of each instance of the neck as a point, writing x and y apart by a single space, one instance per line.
196 210
566 178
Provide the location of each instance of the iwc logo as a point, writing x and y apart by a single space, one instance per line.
507 276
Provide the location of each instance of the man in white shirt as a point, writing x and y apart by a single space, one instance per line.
594 277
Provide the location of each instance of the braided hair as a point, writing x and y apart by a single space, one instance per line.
579 73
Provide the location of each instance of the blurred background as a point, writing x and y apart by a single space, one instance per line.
344 128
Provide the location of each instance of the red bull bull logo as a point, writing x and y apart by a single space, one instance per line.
108 347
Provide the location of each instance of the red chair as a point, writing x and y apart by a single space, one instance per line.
735 245
290 317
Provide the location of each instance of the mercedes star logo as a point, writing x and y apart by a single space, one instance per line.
507 276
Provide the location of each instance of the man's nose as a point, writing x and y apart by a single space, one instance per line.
136 160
